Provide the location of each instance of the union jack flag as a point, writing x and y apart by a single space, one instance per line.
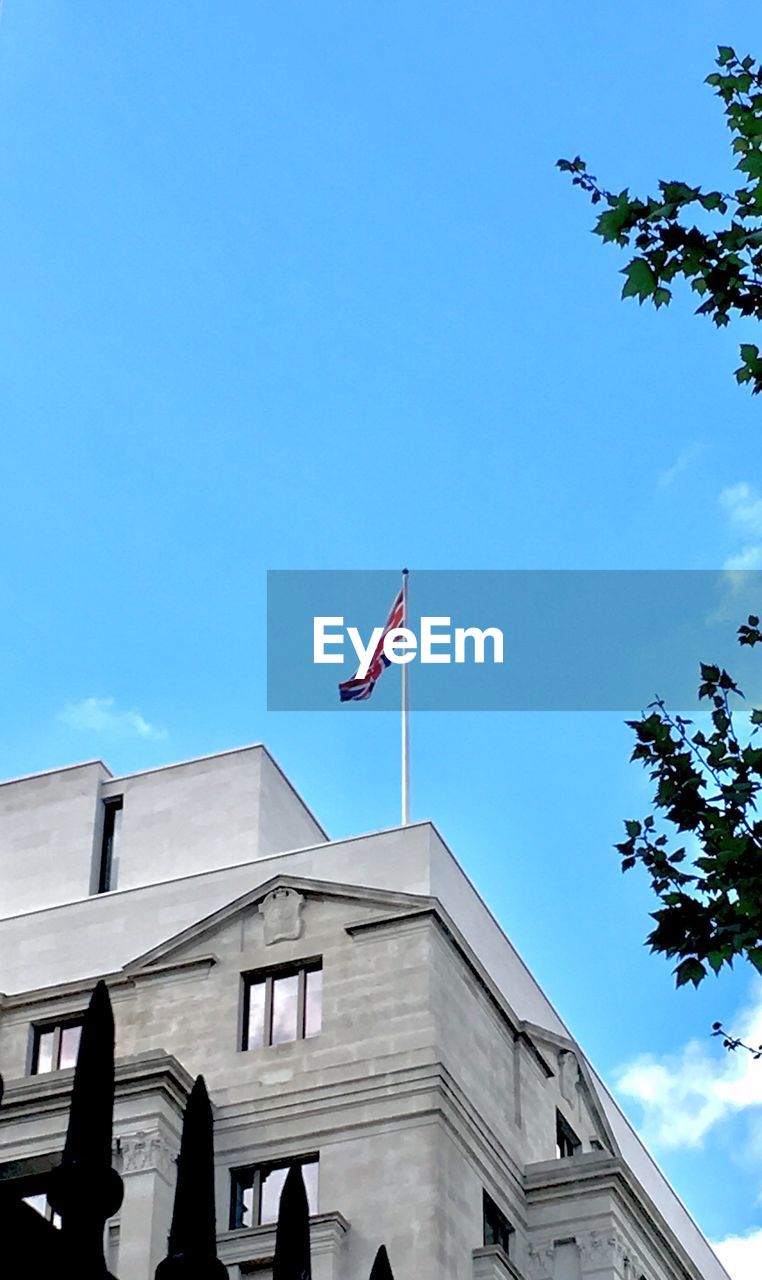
361 687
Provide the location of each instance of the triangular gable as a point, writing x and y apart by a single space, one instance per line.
589 1090
386 899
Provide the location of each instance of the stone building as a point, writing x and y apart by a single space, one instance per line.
352 1004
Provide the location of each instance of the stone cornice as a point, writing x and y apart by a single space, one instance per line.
256 1245
423 1092
31 1096
114 981
491 1263
431 910
594 1172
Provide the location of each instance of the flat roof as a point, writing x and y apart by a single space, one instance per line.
175 764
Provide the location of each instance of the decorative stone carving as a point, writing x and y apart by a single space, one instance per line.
540 1259
568 1069
632 1266
146 1153
602 1249
281 911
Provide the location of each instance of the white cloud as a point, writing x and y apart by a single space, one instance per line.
682 462
743 505
741 1255
99 715
683 1095
749 558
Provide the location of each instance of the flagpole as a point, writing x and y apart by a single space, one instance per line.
405 716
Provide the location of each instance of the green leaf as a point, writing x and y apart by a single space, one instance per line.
713 200
640 282
612 224
690 970
751 164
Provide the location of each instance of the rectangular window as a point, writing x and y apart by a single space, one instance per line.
255 1191
282 1005
112 827
55 1046
497 1228
567 1142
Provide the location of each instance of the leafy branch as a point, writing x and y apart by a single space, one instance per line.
732 1042
707 785
722 266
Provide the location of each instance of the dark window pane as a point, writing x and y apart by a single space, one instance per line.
247 1207
69 1046
272 1185
112 826
242 1200
255 1031
567 1142
313 1002
44 1060
497 1229
285 1009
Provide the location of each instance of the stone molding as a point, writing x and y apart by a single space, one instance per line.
491 1263
252 1247
142 1073
71 997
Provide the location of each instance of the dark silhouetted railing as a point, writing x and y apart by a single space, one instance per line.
86 1191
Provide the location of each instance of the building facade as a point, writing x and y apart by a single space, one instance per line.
352 1004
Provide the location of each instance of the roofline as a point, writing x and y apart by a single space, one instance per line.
64 768
229 751
175 764
211 871
179 764
291 787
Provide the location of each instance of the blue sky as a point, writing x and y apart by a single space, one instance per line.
298 286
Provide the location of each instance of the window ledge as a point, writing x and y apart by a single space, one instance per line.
255 1246
491 1263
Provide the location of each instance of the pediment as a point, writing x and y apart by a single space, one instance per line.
571 1068
284 894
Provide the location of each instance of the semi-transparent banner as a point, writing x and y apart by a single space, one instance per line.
506 640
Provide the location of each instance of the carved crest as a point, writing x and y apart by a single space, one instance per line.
569 1074
281 912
